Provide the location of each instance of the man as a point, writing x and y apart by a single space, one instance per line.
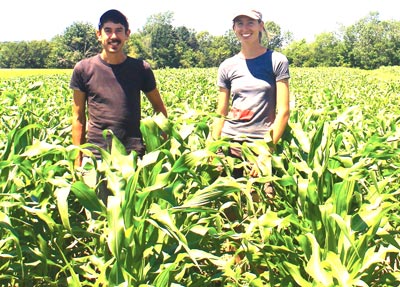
110 84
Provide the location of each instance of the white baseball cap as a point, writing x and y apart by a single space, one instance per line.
253 14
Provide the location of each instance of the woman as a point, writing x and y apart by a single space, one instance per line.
257 79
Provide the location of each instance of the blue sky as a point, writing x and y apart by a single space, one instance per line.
26 20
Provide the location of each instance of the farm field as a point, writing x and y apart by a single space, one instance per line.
334 220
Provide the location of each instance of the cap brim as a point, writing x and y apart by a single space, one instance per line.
250 15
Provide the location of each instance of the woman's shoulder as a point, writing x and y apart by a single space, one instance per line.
277 55
230 61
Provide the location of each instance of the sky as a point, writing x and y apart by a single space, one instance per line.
27 20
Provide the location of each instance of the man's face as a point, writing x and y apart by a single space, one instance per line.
113 37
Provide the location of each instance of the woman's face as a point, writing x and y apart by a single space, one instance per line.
247 29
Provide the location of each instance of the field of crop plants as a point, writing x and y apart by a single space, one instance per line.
334 220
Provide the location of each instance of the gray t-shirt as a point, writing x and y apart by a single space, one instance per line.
252 84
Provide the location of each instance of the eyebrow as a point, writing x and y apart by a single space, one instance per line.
118 29
119 25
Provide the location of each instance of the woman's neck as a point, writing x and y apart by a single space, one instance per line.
251 52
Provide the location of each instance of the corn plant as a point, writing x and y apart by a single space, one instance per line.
167 220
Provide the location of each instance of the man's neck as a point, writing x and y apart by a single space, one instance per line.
113 58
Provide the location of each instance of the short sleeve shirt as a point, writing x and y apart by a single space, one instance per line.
113 96
252 84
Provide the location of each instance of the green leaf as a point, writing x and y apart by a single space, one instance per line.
190 160
61 194
294 272
338 270
116 227
315 266
43 214
150 133
301 137
210 193
87 197
163 217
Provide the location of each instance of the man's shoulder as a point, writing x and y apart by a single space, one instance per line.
139 62
86 62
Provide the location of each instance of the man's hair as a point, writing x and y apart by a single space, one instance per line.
114 16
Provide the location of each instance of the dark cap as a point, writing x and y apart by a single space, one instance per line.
114 16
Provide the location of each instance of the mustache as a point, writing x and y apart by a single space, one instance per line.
115 41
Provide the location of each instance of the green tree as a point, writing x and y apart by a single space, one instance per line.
300 54
186 47
221 48
368 44
187 36
140 46
232 42
287 38
371 43
162 36
9 55
39 53
274 39
23 54
327 50
163 46
204 40
79 41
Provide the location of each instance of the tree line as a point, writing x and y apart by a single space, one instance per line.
367 44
